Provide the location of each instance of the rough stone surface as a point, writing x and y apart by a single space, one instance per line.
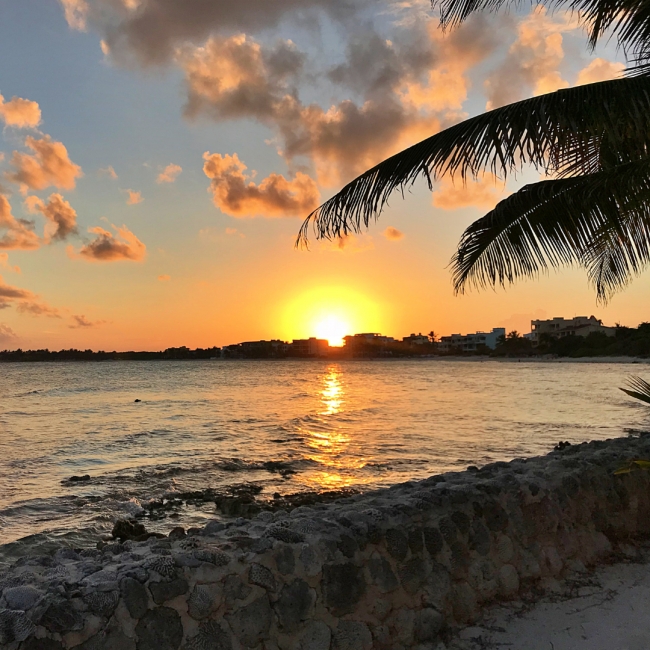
135 597
393 569
344 586
211 636
164 591
317 636
352 635
294 605
160 629
251 623
23 597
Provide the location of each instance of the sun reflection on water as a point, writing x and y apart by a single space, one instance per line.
328 438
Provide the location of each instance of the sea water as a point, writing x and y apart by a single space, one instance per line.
284 426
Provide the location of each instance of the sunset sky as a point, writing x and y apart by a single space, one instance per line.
158 156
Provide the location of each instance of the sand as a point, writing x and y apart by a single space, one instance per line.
607 609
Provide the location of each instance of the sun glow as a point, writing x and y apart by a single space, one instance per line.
333 329
330 313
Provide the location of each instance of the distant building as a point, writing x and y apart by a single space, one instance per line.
559 327
255 350
471 342
367 338
416 339
311 347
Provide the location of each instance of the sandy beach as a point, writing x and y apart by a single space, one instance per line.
604 609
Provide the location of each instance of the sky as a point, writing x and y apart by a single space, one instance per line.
157 158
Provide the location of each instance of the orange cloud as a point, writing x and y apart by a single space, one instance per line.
107 247
60 214
4 264
236 195
533 60
483 193
20 113
81 322
133 197
236 78
446 85
76 13
26 301
7 335
392 234
109 171
169 174
401 102
599 70
50 165
19 233
157 28
164 278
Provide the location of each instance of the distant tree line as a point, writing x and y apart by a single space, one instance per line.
628 342
89 355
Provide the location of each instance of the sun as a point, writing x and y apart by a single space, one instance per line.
333 329
329 312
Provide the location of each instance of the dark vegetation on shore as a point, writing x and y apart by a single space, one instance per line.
90 355
628 342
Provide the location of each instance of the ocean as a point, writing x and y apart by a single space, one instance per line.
284 426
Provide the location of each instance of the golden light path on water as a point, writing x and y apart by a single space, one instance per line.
330 445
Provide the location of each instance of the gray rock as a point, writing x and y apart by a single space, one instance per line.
102 602
60 616
428 623
251 623
14 626
495 516
352 635
284 534
160 629
508 580
164 591
416 543
413 574
448 529
285 560
234 589
403 622
343 586
317 636
294 605
135 597
163 565
397 543
479 538
203 601
213 527
382 574
112 638
433 541
211 636
23 597
261 576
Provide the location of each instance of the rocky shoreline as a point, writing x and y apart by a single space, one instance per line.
392 569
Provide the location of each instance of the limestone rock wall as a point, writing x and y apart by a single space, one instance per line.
392 569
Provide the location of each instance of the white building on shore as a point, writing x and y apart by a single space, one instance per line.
559 327
471 342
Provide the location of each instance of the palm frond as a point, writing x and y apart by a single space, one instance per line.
600 221
561 132
638 388
628 21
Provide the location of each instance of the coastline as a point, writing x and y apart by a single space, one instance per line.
402 567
